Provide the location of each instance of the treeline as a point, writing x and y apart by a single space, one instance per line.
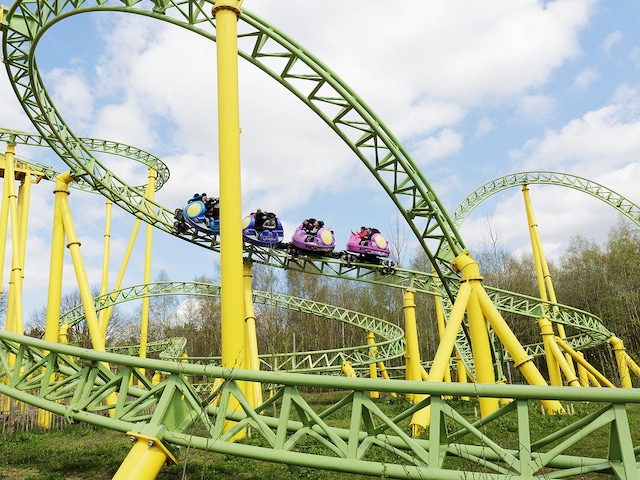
601 279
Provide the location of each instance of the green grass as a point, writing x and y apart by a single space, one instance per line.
79 452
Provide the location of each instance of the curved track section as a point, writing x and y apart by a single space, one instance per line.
303 75
75 383
95 145
390 342
608 196
592 331
289 64
264 46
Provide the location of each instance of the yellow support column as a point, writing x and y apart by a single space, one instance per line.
621 359
470 274
594 375
545 285
54 295
106 254
226 13
548 340
144 326
521 360
348 370
4 217
481 350
411 334
461 373
14 300
373 371
144 460
553 350
123 268
441 323
253 390
24 198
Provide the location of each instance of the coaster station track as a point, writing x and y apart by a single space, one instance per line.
45 374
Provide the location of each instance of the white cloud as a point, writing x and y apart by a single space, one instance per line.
586 77
483 127
436 147
612 39
536 108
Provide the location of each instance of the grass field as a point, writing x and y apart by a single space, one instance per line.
79 452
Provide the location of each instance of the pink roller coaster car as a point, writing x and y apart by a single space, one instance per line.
373 245
322 241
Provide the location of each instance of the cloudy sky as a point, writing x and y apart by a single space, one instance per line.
473 90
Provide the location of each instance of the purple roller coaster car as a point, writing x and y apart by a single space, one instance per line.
323 241
376 246
260 235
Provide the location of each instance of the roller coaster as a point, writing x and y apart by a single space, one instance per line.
429 438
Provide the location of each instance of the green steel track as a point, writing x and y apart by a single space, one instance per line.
323 92
591 330
389 344
265 47
76 383
608 196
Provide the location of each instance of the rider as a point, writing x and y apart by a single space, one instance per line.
270 222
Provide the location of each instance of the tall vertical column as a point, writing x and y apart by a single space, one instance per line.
232 305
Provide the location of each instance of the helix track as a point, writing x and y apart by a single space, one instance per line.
602 193
389 344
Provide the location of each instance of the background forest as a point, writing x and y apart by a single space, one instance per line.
601 279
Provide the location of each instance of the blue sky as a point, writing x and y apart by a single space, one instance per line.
473 90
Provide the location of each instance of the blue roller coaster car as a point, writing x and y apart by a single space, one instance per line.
262 230
198 215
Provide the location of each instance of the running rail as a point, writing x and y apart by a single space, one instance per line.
74 383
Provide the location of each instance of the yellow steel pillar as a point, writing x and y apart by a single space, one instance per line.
226 13
461 373
411 334
123 269
54 295
4 217
373 352
24 197
144 326
441 324
545 285
14 300
106 254
594 375
521 360
348 370
485 308
62 203
621 359
553 350
440 364
481 346
548 340
254 389
144 460
63 336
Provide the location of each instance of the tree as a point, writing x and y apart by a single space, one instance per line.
77 334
